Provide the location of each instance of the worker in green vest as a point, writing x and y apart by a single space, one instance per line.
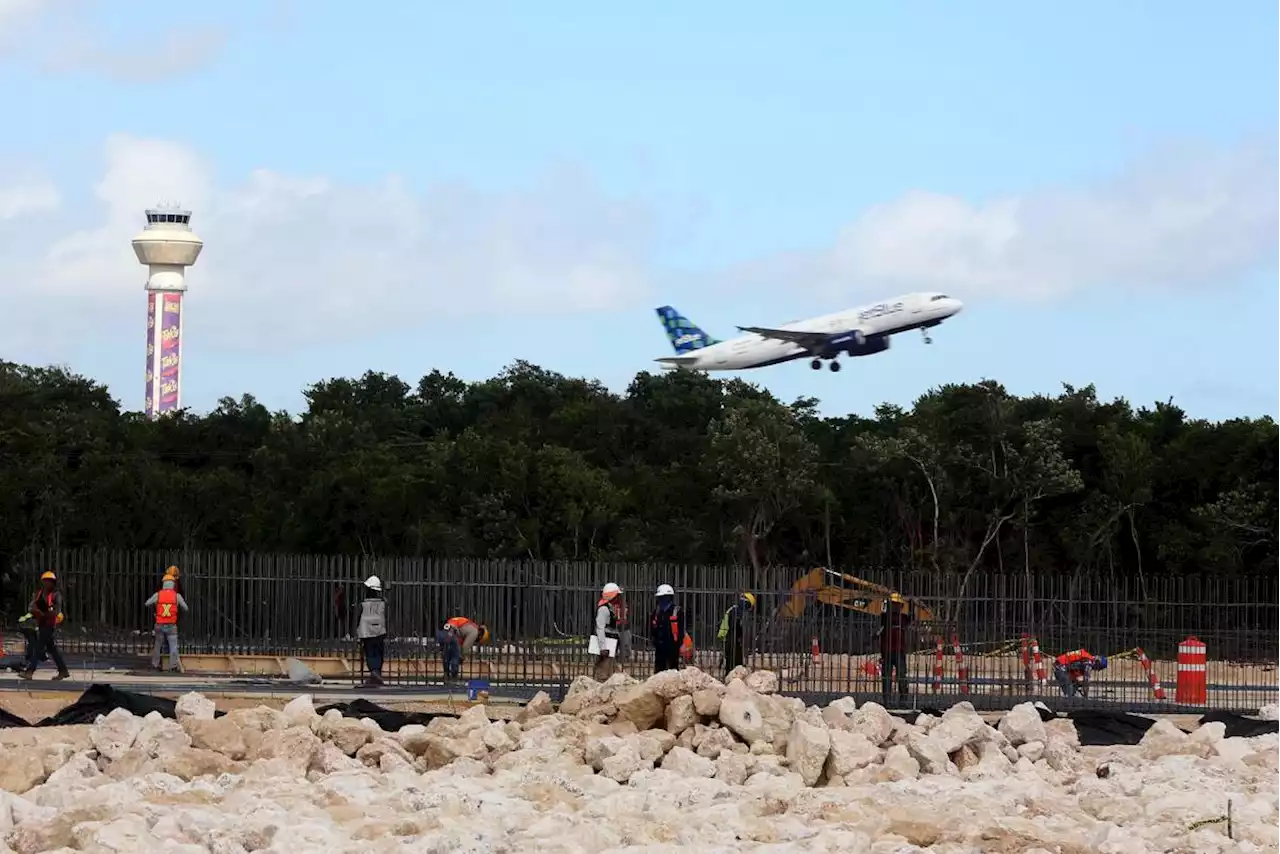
732 631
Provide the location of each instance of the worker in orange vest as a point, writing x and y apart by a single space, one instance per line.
667 631
167 602
46 611
1073 669
458 635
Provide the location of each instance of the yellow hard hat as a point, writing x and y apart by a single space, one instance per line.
896 597
484 638
49 576
171 572
750 597
60 618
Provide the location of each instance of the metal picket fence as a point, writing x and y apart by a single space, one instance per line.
980 643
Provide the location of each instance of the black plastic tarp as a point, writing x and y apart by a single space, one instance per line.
102 699
99 699
386 719
8 720
1238 726
1104 729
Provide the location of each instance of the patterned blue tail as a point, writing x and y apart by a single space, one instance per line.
685 337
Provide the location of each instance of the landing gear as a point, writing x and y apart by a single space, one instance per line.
834 366
925 333
816 364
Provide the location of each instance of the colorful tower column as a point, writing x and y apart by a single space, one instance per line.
167 246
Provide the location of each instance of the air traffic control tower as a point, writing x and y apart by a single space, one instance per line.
168 247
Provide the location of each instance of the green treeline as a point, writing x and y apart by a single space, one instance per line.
532 464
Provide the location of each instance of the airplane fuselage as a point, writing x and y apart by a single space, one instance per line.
859 331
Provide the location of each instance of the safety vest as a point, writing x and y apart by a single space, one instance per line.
1075 656
611 628
167 608
457 623
723 632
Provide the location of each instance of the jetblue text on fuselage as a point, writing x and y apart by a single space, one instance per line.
691 338
880 310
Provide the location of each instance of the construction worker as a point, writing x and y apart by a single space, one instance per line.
667 630
27 626
46 611
732 631
1073 669
895 619
167 602
457 636
611 611
372 629
340 615
173 574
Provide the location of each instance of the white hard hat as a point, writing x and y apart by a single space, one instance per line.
610 589
373 582
665 590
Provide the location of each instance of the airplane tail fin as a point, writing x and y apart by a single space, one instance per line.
685 336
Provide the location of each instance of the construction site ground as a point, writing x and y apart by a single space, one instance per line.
513 677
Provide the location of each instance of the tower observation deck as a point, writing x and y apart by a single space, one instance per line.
168 246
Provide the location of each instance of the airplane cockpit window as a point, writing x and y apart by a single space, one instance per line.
937 297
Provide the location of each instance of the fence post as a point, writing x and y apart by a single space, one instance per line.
937 665
962 670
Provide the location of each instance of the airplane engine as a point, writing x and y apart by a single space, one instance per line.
855 344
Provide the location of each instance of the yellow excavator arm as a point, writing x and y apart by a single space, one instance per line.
848 592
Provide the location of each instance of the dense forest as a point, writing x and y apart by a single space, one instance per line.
532 464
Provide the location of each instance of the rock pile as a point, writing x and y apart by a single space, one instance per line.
678 741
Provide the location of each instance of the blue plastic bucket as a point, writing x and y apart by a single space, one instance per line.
475 687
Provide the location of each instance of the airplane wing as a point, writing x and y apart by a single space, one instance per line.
677 360
808 340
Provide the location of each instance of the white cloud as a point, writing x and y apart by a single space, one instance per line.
297 259
27 196
1176 218
61 37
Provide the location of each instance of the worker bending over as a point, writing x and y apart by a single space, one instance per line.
732 631
456 636
667 630
167 601
27 626
1073 669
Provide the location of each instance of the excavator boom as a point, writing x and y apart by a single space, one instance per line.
851 593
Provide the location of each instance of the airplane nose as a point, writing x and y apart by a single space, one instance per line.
956 306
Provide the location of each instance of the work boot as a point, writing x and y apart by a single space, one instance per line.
61 676
25 674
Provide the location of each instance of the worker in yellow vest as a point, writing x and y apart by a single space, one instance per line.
167 602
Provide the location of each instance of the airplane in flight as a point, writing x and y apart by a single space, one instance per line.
860 331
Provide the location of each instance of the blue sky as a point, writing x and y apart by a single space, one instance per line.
419 186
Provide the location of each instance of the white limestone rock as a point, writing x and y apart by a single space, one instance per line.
1022 724
114 733
194 705
807 749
